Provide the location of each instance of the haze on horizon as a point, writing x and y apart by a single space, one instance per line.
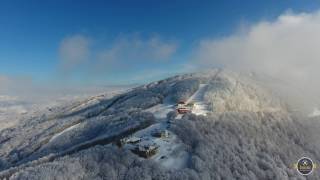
48 46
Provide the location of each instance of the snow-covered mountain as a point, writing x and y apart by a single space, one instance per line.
238 129
16 107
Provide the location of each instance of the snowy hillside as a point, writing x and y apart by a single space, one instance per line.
14 108
237 129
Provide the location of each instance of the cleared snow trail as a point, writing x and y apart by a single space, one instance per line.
160 111
200 108
65 130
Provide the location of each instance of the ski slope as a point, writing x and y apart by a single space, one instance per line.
200 107
160 111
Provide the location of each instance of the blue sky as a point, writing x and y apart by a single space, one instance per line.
123 41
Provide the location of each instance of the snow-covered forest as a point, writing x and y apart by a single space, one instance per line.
239 128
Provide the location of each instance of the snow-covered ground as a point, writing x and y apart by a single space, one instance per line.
171 154
170 149
64 131
316 112
81 136
14 108
200 107
160 111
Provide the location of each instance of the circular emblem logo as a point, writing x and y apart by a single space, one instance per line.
305 166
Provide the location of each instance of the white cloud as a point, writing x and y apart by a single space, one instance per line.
134 49
74 50
125 52
286 48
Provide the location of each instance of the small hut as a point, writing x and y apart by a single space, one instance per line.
145 151
161 134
